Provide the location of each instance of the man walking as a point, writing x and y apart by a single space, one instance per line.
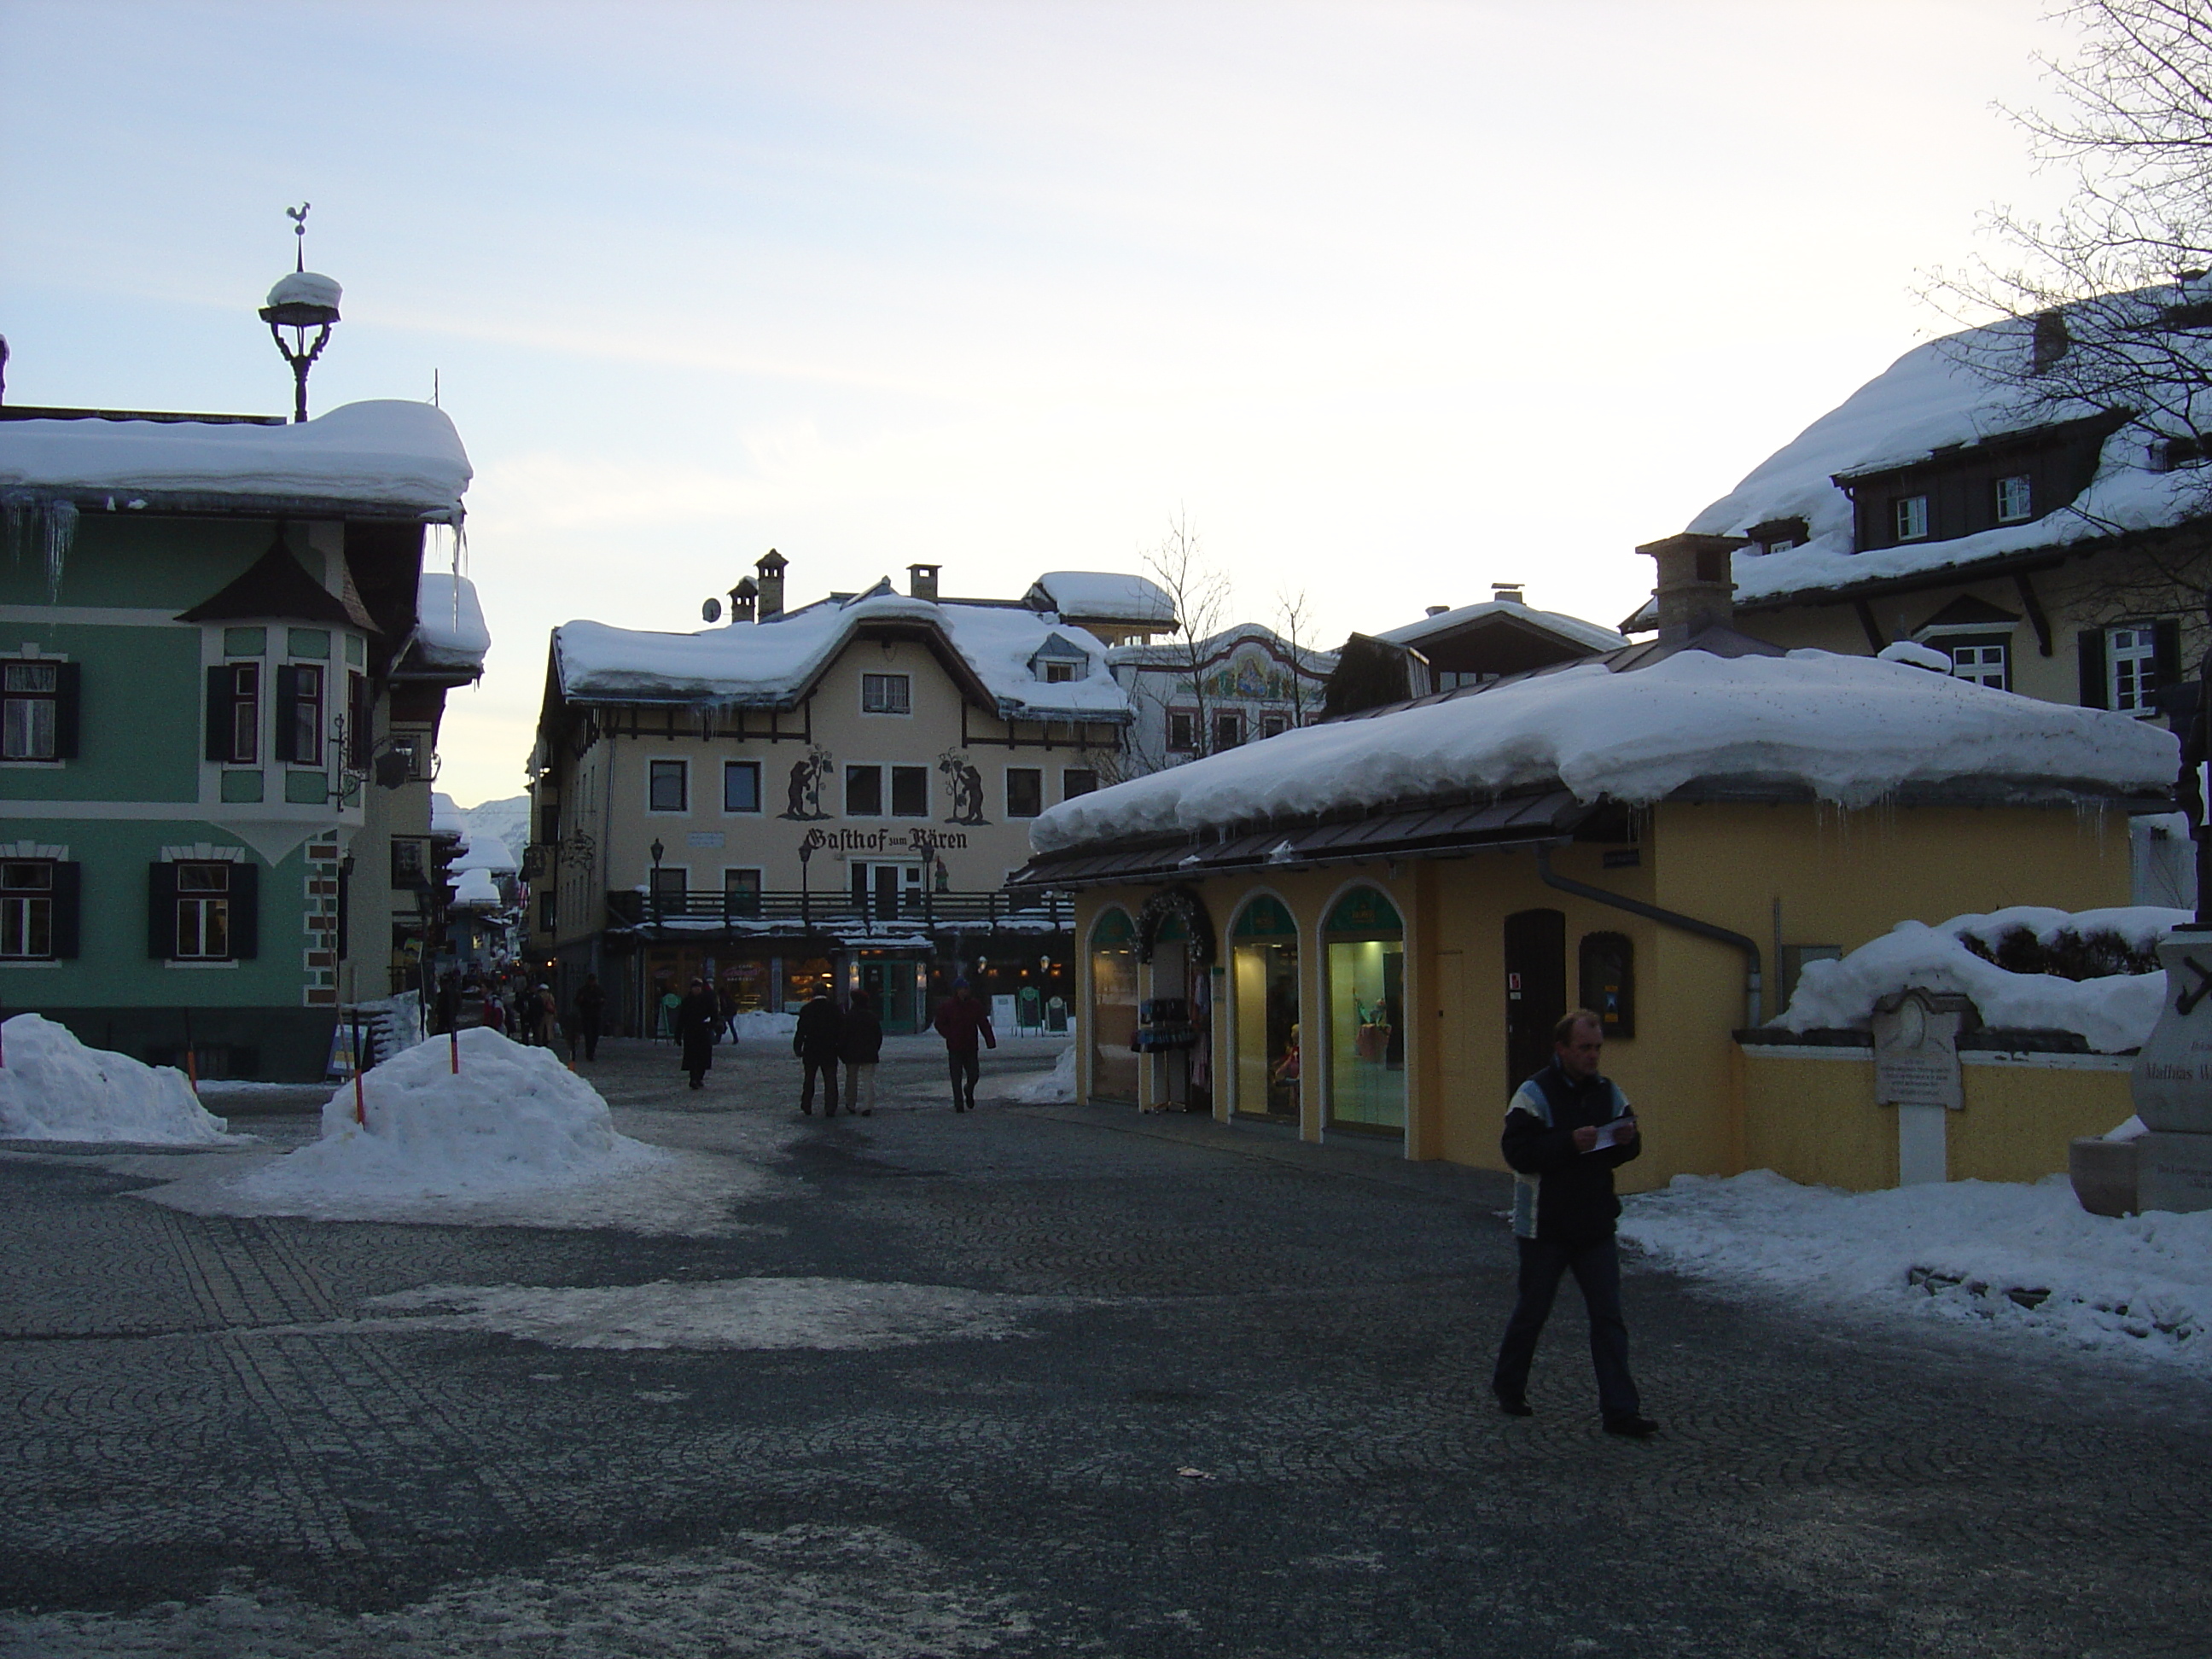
591 1011
1567 1129
960 1020
815 1042
860 1041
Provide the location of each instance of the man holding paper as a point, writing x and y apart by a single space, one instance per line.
1567 1129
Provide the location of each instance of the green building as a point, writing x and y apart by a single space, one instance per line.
209 625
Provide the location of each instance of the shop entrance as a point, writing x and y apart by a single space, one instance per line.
1535 990
1112 1026
1366 990
890 988
1264 957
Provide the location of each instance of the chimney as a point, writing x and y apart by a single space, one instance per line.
741 601
1695 586
770 603
921 581
1436 610
1506 594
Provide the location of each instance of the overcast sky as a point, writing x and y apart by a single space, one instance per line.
1392 301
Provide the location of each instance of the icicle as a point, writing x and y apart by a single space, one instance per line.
60 538
22 517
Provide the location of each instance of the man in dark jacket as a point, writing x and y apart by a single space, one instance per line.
1567 1129
815 1042
960 1020
591 1012
861 1045
695 1030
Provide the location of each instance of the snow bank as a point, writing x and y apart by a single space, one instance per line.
388 452
1852 729
54 1088
515 1120
1048 1088
2018 1257
2114 1012
761 1026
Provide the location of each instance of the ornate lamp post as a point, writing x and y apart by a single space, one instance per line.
805 898
303 301
656 850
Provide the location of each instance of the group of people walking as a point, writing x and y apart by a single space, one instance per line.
829 1037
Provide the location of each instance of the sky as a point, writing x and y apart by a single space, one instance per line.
1386 303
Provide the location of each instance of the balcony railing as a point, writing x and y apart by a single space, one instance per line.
838 911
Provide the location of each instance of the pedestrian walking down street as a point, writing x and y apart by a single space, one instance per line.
815 1042
449 1003
590 1011
861 1044
695 1016
1567 1129
543 1008
495 1013
960 1020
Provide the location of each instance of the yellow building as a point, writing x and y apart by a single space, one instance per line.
1365 933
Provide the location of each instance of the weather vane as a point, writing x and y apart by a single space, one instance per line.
298 216
306 303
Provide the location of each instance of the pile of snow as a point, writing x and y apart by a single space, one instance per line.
1920 656
2018 1257
1103 595
2114 1012
1050 1088
759 1025
388 452
450 631
54 1088
1852 729
514 1121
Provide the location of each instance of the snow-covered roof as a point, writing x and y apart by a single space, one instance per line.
446 817
1932 396
1103 595
1849 729
475 890
772 664
305 288
1174 655
449 622
387 455
1592 634
486 853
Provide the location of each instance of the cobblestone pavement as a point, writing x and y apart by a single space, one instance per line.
1243 1411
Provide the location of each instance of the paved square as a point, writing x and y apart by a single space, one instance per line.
1163 1388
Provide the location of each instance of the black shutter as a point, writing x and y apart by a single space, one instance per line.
360 722
2166 642
222 689
68 884
2089 647
244 911
287 713
162 911
69 683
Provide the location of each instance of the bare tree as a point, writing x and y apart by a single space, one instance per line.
1199 590
1294 621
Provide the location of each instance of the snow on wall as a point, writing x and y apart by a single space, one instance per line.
2115 1012
386 453
449 622
1852 729
763 663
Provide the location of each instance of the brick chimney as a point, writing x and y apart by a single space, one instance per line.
921 581
1695 586
770 603
741 601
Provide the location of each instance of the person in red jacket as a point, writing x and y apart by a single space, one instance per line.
960 1021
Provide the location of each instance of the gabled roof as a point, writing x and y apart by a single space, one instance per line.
1174 656
1504 617
275 587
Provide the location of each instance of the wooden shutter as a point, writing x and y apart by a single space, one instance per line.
361 722
162 911
2165 642
69 885
2089 647
288 714
69 683
244 910
223 691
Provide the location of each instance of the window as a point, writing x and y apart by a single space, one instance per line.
1059 673
203 911
546 913
670 885
668 787
233 713
741 786
2014 500
1981 661
2131 669
741 893
886 693
909 792
1779 544
33 724
1228 732
26 910
1273 726
413 750
1024 792
549 825
1908 518
1182 731
1077 781
410 861
300 713
863 792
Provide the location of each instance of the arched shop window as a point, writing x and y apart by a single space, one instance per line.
1364 941
1608 982
1113 1020
1264 969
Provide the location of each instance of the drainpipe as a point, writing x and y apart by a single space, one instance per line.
1754 1007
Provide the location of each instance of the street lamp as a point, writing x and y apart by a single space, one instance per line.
656 849
806 899
303 301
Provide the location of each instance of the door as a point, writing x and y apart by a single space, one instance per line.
1535 990
890 986
884 892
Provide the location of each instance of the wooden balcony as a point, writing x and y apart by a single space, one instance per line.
834 910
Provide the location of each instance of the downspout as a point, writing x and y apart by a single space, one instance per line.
1754 1006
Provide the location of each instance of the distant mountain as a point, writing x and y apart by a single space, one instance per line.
505 820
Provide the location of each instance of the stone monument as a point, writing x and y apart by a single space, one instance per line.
1915 1069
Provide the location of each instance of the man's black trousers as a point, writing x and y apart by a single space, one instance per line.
1596 1267
966 1066
826 1064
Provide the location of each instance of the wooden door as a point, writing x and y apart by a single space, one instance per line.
1535 990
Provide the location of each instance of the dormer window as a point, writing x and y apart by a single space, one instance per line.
1059 673
1780 535
1060 660
1908 518
2016 499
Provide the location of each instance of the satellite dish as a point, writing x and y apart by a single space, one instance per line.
712 611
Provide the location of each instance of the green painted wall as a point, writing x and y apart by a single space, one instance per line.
146 563
139 732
